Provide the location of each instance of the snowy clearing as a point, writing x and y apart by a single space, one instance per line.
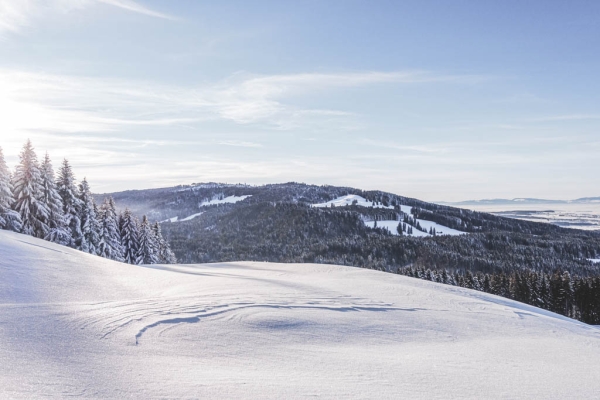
73 324
192 216
439 229
349 200
226 200
393 225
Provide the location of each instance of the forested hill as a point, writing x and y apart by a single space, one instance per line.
324 224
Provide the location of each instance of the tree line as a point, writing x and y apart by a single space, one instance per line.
559 292
35 202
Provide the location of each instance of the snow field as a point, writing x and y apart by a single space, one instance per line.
226 200
191 217
72 324
348 200
392 227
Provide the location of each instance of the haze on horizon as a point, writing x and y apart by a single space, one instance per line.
429 99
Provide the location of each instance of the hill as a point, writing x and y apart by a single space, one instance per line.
78 325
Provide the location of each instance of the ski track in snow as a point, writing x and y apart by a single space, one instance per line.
72 324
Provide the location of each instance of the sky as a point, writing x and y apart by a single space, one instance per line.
438 100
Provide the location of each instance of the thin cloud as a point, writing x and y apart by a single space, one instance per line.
75 104
239 143
17 15
133 6
568 117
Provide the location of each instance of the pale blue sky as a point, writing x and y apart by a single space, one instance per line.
440 100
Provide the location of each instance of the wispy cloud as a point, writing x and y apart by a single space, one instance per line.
133 6
37 102
567 117
432 148
239 143
17 15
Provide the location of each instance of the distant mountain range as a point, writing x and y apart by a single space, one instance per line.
583 200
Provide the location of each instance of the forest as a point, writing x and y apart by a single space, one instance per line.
34 202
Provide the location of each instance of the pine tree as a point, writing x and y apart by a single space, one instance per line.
147 251
58 230
109 245
165 255
71 204
9 219
27 192
87 217
129 238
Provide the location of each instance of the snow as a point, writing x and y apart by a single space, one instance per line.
594 260
439 229
348 200
191 217
72 324
226 200
392 227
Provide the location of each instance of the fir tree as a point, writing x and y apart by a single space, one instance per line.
71 204
87 217
27 192
9 219
165 255
129 238
399 229
109 245
58 231
148 249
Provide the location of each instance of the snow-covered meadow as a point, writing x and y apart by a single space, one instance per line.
224 200
73 324
390 225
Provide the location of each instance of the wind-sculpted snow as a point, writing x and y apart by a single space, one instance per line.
72 324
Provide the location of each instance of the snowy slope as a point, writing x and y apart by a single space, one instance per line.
392 227
191 217
72 324
226 200
349 200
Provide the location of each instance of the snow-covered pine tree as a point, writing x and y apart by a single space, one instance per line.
147 251
58 231
109 236
27 190
71 204
129 237
87 217
165 255
9 219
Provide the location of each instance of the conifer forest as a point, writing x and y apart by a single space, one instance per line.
37 202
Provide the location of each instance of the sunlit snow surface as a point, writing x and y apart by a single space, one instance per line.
76 325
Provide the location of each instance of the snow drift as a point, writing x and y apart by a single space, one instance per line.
73 324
